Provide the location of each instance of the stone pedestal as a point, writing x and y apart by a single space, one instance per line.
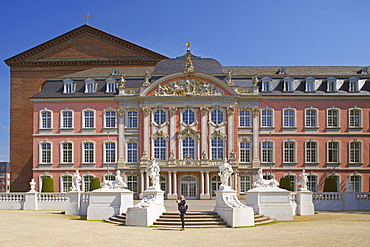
73 203
232 210
30 201
304 203
272 202
148 210
107 203
205 197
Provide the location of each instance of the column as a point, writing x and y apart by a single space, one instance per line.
256 162
146 111
174 183
204 127
169 184
121 138
202 182
146 181
230 130
172 110
236 180
141 183
207 183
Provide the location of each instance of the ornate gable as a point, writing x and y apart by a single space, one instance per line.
85 45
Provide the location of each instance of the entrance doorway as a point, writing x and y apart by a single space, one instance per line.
215 185
188 187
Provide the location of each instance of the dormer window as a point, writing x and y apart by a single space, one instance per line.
331 84
266 87
281 71
363 71
69 86
310 84
353 84
110 85
90 85
288 84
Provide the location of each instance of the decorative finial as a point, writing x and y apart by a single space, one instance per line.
188 45
87 17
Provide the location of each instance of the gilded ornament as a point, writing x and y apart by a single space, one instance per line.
204 110
255 111
172 110
146 110
230 110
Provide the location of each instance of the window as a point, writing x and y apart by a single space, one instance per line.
88 119
45 119
132 119
132 183
292 180
288 84
245 183
311 152
333 152
356 183
215 184
159 117
162 180
66 183
266 118
110 119
245 152
188 117
268 176
110 152
90 85
331 84
266 84
88 152
267 152
289 152
333 118
110 177
355 150
217 116
217 148
311 117
188 148
289 118
160 148
353 84
69 86
110 85
355 117
45 152
67 119
312 183
87 183
66 152
245 118
132 152
310 84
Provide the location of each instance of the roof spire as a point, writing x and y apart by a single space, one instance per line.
87 17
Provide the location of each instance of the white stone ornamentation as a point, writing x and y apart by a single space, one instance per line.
303 181
146 201
76 181
188 87
261 183
225 172
118 182
32 186
153 172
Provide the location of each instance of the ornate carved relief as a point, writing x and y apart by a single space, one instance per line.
146 110
121 112
172 110
188 132
255 111
193 86
230 110
204 110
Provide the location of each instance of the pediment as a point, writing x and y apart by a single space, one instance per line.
85 44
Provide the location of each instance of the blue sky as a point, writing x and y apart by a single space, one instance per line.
235 32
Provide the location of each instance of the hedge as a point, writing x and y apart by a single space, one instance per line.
285 183
47 184
330 185
95 184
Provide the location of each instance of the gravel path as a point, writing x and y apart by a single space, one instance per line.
50 228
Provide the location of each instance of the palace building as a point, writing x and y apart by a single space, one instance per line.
91 101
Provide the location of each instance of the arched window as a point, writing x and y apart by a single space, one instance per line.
289 117
160 148
110 118
355 151
188 148
245 183
267 118
217 116
45 151
217 148
66 183
132 149
332 118
245 152
356 183
311 152
88 119
110 152
188 117
333 152
267 151
160 117
67 119
289 152
132 183
312 183
88 152
45 119
245 118
67 152
87 183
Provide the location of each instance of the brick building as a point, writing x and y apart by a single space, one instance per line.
96 103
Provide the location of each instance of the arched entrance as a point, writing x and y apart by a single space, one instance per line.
188 187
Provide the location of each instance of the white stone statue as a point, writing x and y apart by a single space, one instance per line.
32 186
225 172
118 182
146 201
147 79
264 184
152 171
76 181
303 181
348 185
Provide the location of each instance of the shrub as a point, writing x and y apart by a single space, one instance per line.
47 184
330 185
95 184
285 183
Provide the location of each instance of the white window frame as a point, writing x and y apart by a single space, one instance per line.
353 85
306 117
62 118
266 84
293 181
245 153
131 120
245 183
90 85
292 152
355 188
62 152
351 117
294 124
329 116
310 84
312 185
217 152
245 119
267 109
42 119
192 111
189 148
110 85
132 183
85 184
355 154
160 152
331 84
106 152
84 119
161 118
132 153
288 84
106 118
267 153
309 149
50 152
84 160
69 86
217 116
65 188
331 150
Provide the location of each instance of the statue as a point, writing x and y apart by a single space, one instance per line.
255 80
118 182
76 181
32 186
153 172
303 181
265 184
122 81
204 155
147 78
225 172
229 79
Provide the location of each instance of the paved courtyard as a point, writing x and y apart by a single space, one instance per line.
51 228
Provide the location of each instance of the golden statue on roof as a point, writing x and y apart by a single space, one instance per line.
189 68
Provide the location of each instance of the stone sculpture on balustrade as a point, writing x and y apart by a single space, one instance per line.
228 205
151 206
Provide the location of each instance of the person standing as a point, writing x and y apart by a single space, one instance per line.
182 207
